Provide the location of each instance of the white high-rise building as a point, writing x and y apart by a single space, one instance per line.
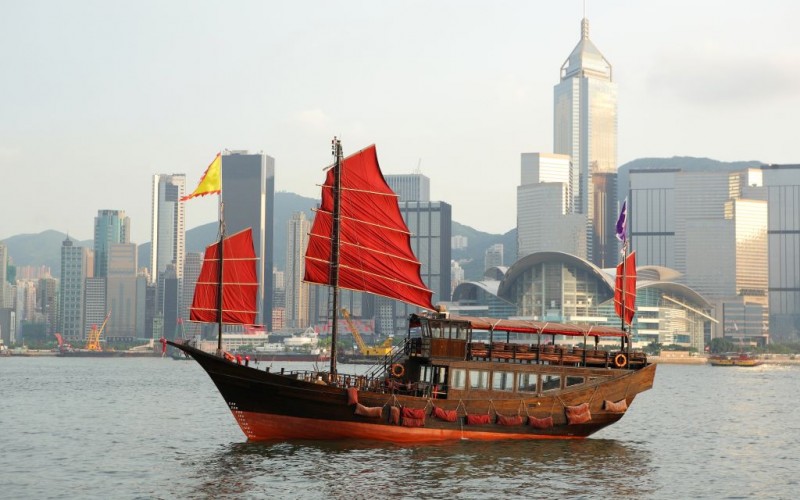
545 222
585 129
168 225
3 278
410 187
297 292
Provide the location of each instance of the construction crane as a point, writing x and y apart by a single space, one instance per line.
381 350
93 340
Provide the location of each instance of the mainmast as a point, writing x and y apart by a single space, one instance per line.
334 268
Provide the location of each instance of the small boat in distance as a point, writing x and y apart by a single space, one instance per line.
452 378
734 359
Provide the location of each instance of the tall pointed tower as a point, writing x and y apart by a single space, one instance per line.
585 128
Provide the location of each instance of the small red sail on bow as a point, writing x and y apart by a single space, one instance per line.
374 241
239 284
626 287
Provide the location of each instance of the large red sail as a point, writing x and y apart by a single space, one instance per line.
626 285
375 243
239 284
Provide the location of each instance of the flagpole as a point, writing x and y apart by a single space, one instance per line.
220 267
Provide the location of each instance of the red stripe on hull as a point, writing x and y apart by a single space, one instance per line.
265 427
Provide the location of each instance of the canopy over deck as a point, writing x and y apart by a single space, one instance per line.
539 327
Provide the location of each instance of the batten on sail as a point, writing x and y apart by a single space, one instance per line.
374 241
239 284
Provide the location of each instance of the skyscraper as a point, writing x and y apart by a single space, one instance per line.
110 226
168 228
75 269
711 226
585 129
782 183
297 292
121 293
3 271
410 187
545 219
248 197
191 271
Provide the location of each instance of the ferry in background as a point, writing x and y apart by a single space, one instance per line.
734 359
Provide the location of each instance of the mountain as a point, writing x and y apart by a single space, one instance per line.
471 259
45 248
286 204
42 249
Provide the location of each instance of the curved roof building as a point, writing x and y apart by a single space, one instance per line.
555 286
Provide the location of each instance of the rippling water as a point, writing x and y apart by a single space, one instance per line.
157 428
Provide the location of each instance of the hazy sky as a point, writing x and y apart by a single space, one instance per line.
96 96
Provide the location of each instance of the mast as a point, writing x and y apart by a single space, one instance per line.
219 288
334 269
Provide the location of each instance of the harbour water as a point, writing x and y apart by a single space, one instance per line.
157 428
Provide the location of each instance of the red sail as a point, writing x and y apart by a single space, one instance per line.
628 275
239 284
375 244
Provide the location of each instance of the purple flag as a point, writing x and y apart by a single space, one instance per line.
622 222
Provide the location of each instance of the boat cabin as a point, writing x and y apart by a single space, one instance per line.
444 359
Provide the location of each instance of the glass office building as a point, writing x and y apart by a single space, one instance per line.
585 129
248 195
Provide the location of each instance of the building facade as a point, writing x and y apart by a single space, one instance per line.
76 268
248 197
546 221
710 225
168 229
782 185
191 271
297 293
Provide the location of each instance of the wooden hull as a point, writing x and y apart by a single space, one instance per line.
272 406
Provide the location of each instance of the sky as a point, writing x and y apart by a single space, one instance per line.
97 96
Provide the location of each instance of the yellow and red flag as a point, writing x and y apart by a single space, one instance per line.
211 182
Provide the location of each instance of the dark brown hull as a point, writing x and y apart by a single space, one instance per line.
272 406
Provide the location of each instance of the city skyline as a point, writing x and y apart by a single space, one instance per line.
104 97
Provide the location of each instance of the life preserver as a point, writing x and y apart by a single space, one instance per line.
398 370
620 360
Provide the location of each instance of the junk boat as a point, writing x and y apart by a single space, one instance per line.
453 377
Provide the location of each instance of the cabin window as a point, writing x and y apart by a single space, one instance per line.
503 381
551 382
526 382
425 375
571 380
479 379
458 378
436 331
